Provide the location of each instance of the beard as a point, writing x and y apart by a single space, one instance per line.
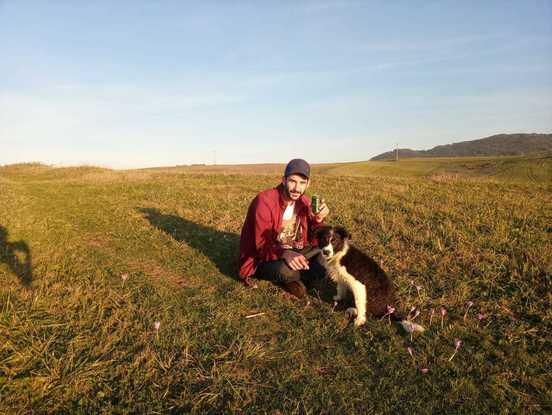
293 195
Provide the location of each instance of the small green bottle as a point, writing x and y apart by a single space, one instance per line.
315 203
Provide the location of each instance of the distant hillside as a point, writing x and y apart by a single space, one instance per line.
496 145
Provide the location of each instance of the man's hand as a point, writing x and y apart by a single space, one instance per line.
295 260
322 212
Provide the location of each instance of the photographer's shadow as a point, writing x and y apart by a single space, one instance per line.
9 255
220 247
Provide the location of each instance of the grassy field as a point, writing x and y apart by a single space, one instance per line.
118 293
535 169
515 169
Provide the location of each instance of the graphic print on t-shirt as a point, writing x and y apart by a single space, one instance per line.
290 235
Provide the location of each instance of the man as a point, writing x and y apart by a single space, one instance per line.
278 233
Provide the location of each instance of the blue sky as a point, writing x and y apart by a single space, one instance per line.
159 83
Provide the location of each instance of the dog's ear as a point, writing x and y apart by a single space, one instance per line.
321 230
341 231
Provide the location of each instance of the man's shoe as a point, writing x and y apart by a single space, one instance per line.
295 288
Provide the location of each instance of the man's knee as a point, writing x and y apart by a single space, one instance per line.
286 273
278 271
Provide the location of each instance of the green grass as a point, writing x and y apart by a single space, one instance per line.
534 169
75 338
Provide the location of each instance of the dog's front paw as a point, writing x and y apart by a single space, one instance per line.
359 321
351 312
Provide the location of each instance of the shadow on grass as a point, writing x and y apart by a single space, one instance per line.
222 248
324 289
8 254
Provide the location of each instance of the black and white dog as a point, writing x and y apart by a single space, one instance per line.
353 270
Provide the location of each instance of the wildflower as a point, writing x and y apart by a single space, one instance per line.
469 304
411 352
443 311
157 325
418 289
457 345
416 314
481 317
424 370
412 310
124 277
390 310
431 316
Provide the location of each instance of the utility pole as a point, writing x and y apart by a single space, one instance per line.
396 151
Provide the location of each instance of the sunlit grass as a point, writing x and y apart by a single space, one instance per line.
533 169
113 253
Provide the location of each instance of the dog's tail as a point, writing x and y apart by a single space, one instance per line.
408 325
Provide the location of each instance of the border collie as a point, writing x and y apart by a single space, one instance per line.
353 270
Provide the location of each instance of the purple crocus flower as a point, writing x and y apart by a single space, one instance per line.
457 345
431 315
443 311
469 305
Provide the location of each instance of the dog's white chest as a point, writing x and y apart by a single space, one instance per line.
346 282
338 274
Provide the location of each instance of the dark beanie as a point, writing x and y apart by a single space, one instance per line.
297 166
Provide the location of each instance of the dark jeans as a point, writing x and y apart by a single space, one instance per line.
279 272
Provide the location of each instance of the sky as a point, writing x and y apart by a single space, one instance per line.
131 84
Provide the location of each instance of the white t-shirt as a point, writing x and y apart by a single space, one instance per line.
288 213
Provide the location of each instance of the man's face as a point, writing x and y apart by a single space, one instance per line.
295 185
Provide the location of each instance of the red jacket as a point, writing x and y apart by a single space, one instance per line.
258 241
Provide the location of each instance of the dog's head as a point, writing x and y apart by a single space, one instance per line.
332 240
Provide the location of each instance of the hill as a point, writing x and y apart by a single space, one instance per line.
530 169
495 145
